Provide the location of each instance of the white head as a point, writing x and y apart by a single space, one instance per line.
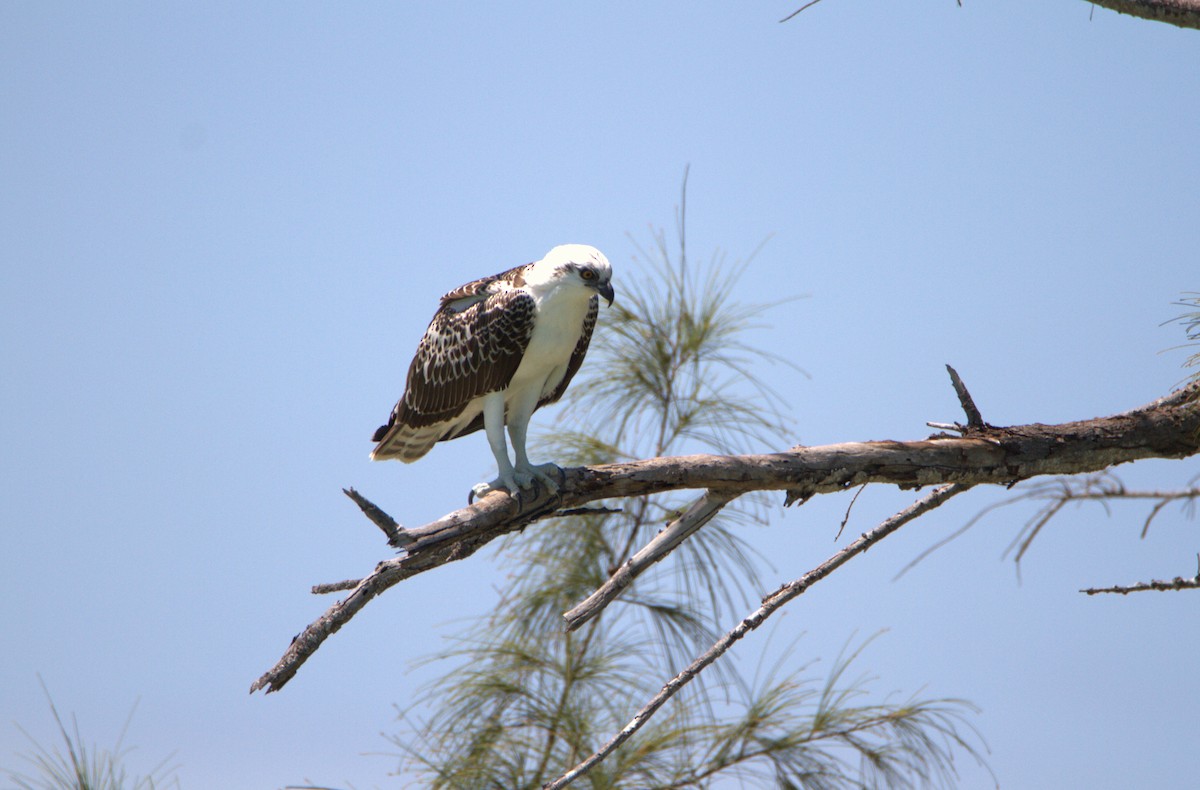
575 264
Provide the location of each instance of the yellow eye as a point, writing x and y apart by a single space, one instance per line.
587 274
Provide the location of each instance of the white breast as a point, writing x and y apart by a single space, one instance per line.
557 326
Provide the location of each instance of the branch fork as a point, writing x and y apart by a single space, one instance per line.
1166 428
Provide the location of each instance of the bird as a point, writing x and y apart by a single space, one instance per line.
499 348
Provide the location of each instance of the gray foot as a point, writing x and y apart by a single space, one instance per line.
546 474
506 483
522 479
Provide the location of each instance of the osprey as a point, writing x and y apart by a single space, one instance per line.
498 349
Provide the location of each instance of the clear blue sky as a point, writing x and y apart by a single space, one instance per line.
225 225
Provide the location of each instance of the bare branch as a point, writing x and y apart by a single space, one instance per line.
1161 499
1033 528
770 605
331 587
696 516
974 418
1105 496
1166 428
490 517
396 536
1178 583
959 532
798 10
846 518
1181 13
1058 493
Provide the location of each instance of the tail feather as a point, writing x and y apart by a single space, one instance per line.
406 444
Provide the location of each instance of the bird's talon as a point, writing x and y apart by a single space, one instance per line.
547 474
480 490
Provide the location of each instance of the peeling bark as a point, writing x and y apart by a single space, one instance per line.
1180 13
983 454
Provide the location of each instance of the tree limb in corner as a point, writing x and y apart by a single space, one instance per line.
1180 13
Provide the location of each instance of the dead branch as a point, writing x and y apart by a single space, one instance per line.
396 536
1160 498
798 10
1178 583
1180 13
703 510
692 519
1057 494
1166 428
974 418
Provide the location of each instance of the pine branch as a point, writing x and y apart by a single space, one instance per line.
1166 428
770 605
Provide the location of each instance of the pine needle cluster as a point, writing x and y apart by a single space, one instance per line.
1190 321
75 766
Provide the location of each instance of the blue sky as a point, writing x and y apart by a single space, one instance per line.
224 228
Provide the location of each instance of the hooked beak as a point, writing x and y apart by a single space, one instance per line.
606 290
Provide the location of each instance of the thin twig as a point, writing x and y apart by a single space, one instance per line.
798 10
1153 512
846 518
1167 496
957 533
770 604
1056 494
667 540
1032 529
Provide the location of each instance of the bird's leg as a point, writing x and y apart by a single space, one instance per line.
518 424
493 426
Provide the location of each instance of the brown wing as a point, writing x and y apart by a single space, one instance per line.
581 347
514 277
466 353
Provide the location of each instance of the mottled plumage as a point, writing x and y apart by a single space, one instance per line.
513 340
